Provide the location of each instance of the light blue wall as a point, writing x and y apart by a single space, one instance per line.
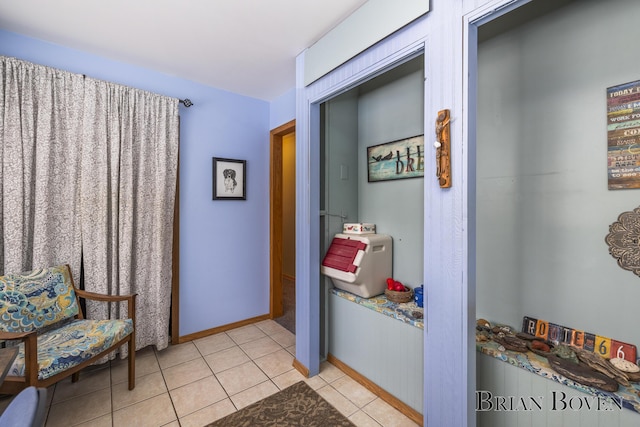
543 207
224 245
390 108
394 344
341 164
385 109
283 109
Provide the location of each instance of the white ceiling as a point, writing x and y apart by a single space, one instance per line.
244 46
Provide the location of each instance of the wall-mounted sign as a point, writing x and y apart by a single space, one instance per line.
396 160
623 135
558 334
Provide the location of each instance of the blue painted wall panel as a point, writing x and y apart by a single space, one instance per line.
386 351
283 109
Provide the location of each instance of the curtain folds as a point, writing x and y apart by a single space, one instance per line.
40 130
128 187
88 174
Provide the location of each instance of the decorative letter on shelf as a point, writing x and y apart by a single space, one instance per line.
443 149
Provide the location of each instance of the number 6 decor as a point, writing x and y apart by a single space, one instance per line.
624 240
558 334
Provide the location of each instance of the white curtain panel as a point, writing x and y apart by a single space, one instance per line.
40 130
88 172
128 187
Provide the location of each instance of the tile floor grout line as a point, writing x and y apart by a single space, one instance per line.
252 360
164 379
273 329
262 370
202 356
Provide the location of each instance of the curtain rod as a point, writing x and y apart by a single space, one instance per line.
187 102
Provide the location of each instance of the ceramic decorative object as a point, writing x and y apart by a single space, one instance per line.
418 296
358 228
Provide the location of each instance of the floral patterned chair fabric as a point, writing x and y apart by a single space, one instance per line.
36 299
42 310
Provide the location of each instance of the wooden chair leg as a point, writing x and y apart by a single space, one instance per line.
132 364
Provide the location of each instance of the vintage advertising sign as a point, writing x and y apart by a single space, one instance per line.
558 334
623 135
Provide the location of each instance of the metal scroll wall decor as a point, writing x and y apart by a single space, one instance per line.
624 240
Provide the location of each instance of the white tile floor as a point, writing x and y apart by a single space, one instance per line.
195 383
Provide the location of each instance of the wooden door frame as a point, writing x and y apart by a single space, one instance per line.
276 308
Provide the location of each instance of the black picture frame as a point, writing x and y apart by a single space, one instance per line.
229 179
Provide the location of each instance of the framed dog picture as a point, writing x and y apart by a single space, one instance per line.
229 179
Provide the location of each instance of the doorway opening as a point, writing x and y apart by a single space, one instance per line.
282 225
384 109
525 195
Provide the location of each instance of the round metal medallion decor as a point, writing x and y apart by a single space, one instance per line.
624 240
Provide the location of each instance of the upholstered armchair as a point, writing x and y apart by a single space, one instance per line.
41 309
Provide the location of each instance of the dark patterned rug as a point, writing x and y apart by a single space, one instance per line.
297 405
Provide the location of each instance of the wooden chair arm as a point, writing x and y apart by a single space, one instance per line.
30 340
130 299
103 297
15 335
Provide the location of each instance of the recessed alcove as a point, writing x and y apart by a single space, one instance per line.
542 203
387 107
